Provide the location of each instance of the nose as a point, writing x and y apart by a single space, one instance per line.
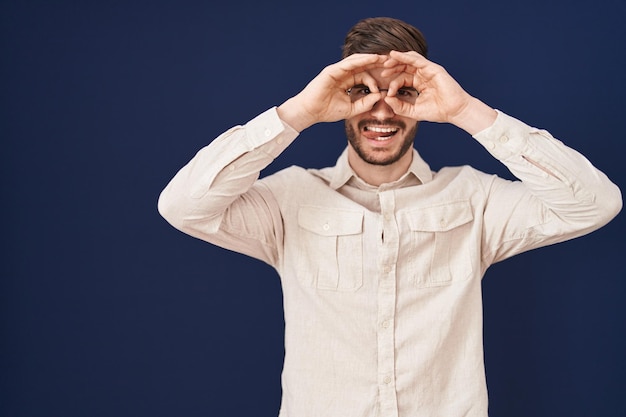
381 109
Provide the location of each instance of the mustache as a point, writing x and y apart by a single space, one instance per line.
383 123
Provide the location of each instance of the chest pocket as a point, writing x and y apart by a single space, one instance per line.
442 248
330 248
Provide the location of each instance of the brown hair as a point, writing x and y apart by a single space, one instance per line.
379 35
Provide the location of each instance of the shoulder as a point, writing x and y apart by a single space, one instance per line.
462 172
466 179
296 176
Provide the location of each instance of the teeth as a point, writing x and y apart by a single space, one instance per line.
382 129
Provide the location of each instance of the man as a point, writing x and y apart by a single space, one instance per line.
380 258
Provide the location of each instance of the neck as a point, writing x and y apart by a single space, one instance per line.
376 175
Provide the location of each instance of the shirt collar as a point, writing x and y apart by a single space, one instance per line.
418 169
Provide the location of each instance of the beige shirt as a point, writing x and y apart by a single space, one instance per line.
382 285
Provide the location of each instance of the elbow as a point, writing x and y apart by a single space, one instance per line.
169 210
616 203
188 217
609 204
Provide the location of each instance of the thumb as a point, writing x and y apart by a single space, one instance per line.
399 107
366 103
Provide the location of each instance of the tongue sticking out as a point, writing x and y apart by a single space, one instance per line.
378 134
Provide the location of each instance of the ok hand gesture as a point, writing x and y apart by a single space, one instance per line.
441 98
325 98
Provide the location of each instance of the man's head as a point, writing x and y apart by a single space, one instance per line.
379 35
380 137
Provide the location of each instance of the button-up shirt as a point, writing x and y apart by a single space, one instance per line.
382 284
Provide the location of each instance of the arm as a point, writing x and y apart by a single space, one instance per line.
215 197
561 194
205 199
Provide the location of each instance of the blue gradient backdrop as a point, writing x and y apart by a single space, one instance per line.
105 310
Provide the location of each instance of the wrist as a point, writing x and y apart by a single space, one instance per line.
294 115
476 116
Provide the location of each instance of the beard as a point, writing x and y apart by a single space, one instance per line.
377 156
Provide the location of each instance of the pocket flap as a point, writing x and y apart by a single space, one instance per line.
330 222
440 218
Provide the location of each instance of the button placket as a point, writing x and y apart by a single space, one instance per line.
387 304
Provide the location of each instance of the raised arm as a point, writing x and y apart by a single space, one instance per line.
561 194
215 197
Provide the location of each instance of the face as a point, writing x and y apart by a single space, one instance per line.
379 136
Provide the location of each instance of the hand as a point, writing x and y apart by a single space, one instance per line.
441 98
325 98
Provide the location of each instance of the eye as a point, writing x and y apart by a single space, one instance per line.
358 91
407 92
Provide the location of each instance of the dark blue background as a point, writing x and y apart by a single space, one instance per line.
105 310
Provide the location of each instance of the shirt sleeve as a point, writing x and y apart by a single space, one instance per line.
214 197
561 195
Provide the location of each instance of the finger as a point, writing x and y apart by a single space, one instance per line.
361 62
418 111
391 71
412 58
402 80
399 107
365 104
344 72
410 62
367 79
416 64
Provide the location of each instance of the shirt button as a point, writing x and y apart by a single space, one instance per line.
326 226
385 324
491 145
267 133
504 139
442 222
279 141
387 380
